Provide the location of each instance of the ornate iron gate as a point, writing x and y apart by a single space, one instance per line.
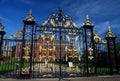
59 47
56 48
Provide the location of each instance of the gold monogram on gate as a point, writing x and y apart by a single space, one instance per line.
26 51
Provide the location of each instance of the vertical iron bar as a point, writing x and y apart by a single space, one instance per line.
31 51
1 40
1 55
2 65
116 59
60 54
86 51
109 54
23 45
93 46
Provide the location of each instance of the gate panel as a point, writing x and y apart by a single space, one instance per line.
102 58
59 48
44 55
58 54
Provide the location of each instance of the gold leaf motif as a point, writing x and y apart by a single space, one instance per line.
45 22
26 50
68 38
76 38
40 48
74 25
66 48
67 24
88 33
90 57
52 22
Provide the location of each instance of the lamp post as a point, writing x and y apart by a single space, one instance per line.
2 33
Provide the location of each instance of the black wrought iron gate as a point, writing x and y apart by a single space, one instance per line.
56 48
59 46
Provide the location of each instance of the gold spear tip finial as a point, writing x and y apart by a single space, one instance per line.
109 28
87 16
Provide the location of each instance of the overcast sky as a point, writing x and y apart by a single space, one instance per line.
101 12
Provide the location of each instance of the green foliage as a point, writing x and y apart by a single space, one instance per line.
103 70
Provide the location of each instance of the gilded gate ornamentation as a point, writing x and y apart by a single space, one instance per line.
57 48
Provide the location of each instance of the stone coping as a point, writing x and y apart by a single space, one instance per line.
97 78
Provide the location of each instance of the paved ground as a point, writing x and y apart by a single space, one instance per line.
99 78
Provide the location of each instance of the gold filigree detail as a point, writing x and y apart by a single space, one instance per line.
52 37
74 25
89 33
90 50
79 58
76 38
97 38
68 37
25 71
67 24
45 23
90 57
27 50
26 55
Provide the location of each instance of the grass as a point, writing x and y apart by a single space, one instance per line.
103 70
12 65
8 67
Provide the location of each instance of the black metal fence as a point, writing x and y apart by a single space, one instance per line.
44 65
55 52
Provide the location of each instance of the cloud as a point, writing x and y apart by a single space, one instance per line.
4 19
79 9
98 8
101 28
91 6
101 13
115 25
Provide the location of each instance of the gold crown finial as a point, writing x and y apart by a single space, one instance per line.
29 17
110 33
87 21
